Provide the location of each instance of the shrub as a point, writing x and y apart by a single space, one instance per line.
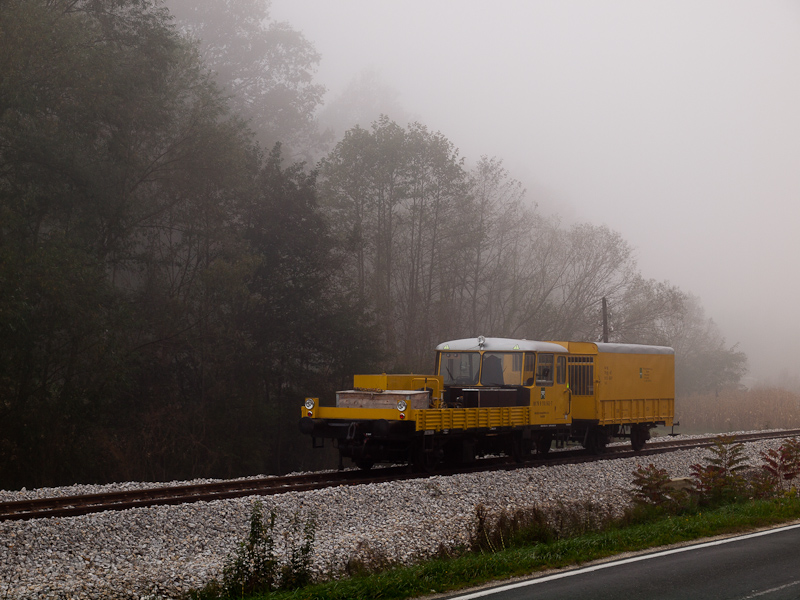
367 559
650 485
530 525
654 492
721 480
296 572
255 567
495 532
781 466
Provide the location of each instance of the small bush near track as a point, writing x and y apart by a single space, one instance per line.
255 567
531 525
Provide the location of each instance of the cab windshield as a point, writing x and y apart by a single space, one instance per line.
501 368
459 368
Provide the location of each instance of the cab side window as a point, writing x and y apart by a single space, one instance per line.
561 373
527 372
544 370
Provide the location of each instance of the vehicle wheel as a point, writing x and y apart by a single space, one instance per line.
543 443
364 465
639 436
518 449
527 448
425 461
596 441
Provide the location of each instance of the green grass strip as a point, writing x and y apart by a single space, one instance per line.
443 575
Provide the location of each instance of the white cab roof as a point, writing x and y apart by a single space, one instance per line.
500 345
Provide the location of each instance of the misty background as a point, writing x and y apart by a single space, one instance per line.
673 123
211 209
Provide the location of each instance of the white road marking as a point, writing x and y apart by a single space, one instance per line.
777 589
625 561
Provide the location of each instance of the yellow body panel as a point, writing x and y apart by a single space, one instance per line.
355 414
441 419
470 418
550 405
584 407
628 387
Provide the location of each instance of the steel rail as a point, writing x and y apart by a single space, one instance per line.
74 505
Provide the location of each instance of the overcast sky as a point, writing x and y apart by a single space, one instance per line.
674 122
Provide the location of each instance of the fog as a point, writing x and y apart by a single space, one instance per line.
676 123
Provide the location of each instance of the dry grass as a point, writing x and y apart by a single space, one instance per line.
738 410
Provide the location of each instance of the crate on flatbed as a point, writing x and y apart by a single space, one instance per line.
364 398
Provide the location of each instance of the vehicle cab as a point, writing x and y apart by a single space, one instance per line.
491 372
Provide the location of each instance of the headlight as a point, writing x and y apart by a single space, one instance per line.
401 405
309 403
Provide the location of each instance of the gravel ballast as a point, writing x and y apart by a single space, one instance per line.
167 550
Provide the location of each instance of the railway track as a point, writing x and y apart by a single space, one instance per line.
65 506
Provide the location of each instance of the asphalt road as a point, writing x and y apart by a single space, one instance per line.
764 565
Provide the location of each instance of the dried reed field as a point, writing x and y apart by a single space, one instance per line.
738 410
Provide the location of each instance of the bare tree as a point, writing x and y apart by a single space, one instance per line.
645 312
435 184
364 183
598 262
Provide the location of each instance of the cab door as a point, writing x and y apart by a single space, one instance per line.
550 396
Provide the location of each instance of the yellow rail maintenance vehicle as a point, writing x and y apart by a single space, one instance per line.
500 395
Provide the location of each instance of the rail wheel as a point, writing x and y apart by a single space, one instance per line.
543 443
364 464
518 449
425 460
639 436
596 441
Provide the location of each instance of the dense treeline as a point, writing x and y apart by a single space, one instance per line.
170 287
168 290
